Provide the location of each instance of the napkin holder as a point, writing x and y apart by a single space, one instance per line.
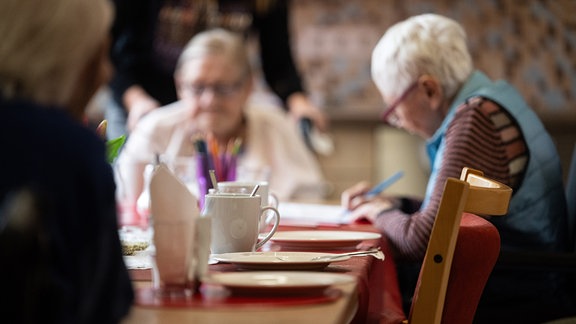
181 236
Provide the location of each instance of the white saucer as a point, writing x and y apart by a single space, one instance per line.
277 260
278 282
322 239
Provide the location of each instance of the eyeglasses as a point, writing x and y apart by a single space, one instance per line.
388 115
221 90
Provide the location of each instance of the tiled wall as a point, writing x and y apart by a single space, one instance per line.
531 43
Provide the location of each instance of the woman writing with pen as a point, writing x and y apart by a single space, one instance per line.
425 73
214 116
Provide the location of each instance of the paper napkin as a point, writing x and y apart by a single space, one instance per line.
181 254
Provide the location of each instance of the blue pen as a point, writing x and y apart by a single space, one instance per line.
384 184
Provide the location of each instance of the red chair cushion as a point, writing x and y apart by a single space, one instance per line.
475 255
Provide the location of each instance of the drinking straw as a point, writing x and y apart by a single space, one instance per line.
254 190
213 179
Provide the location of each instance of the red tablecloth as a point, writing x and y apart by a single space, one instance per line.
378 290
379 298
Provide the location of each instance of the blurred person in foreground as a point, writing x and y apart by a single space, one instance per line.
59 245
214 81
425 74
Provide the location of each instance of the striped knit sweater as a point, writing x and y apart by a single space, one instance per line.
482 136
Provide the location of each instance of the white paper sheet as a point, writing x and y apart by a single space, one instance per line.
292 213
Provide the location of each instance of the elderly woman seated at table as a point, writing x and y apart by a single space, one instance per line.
425 73
214 84
61 254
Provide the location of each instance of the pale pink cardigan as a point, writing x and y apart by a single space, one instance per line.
273 143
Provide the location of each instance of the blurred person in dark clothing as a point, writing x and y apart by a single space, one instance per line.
59 245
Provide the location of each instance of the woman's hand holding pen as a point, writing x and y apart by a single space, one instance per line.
364 207
366 203
354 196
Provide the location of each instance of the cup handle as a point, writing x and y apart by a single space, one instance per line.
274 228
274 199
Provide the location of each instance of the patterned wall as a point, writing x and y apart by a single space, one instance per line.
531 43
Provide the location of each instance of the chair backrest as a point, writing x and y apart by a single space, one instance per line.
461 251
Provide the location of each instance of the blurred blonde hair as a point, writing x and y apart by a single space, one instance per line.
45 45
424 44
217 41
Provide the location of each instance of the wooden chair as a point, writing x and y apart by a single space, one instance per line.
462 250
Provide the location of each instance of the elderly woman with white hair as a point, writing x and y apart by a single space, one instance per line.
214 84
61 254
425 74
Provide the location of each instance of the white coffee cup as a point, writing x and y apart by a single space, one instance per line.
246 187
235 222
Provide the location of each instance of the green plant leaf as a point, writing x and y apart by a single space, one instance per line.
113 147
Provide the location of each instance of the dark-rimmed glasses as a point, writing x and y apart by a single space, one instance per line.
387 115
221 90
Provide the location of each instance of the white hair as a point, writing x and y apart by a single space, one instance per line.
46 44
217 41
424 44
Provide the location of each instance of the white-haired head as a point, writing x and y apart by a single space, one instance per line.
45 46
425 44
217 42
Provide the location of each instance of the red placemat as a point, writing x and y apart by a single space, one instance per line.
212 297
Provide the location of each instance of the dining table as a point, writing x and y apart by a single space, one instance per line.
372 296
